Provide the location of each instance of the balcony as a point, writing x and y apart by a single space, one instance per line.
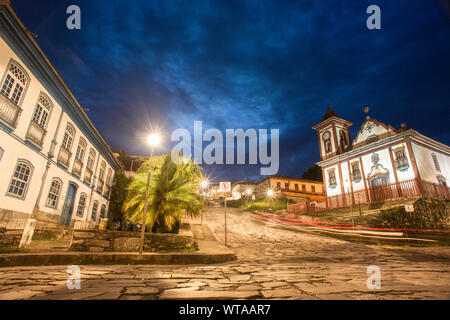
88 175
64 156
36 133
77 167
100 184
401 163
9 111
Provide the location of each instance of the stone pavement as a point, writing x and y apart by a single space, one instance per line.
273 263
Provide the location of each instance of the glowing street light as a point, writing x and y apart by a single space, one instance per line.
249 192
153 140
204 184
270 193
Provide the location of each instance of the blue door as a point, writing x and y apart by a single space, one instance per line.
66 215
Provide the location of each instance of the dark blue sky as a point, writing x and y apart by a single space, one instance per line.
249 64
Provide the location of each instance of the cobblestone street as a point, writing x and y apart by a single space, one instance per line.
273 262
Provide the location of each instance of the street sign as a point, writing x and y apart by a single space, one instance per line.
225 187
409 208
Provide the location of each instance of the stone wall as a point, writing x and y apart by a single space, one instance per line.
10 238
125 241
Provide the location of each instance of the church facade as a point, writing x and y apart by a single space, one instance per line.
380 163
55 167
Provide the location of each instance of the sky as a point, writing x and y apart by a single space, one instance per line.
258 64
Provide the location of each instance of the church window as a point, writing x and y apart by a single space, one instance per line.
356 173
401 161
332 178
343 139
372 138
436 162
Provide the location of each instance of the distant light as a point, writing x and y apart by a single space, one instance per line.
204 184
153 139
249 191
270 193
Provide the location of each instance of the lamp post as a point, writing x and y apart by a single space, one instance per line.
153 141
351 206
203 185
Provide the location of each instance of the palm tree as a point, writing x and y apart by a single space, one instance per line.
173 192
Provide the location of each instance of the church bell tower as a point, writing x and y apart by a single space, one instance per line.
333 133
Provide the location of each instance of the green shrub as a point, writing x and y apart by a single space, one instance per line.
429 213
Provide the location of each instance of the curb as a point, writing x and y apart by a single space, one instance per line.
119 258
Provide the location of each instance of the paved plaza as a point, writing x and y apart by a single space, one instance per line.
274 262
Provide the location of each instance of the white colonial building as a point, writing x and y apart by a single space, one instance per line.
54 165
381 162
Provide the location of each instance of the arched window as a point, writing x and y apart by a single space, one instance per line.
94 211
109 177
91 159
343 139
42 110
20 179
89 166
54 193
101 174
15 82
81 205
102 211
69 135
81 150
101 177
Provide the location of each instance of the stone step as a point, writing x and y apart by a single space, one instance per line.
48 245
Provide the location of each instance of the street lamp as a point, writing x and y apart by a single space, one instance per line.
270 193
153 140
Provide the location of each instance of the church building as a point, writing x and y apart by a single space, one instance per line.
380 163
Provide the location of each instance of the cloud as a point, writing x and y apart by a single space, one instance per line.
249 64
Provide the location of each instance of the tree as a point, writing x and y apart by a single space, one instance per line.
314 173
173 192
118 195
